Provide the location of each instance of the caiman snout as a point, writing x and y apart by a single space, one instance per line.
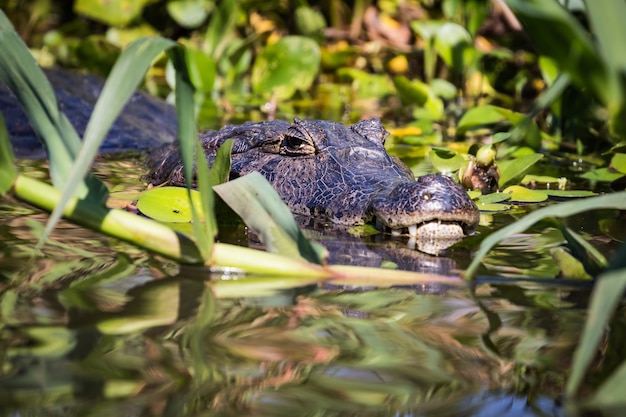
434 206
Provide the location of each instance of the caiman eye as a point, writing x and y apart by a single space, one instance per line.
294 146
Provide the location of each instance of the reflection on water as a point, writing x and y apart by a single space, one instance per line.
92 326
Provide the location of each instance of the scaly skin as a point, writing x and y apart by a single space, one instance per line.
340 172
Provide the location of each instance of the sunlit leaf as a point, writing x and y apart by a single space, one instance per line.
513 168
444 160
169 204
111 12
525 195
570 193
284 67
601 175
189 13
618 162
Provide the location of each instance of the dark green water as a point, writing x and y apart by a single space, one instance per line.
92 326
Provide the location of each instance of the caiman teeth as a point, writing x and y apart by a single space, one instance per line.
398 232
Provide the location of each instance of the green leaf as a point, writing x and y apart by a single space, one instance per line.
111 12
514 168
8 173
260 206
169 204
525 195
618 162
486 115
559 210
602 175
605 297
455 46
189 13
445 160
286 66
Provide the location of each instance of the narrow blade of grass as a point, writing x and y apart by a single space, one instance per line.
606 295
260 206
22 75
126 75
8 173
204 231
560 210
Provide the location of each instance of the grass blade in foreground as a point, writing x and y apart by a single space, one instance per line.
559 210
260 206
606 295
8 173
125 76
20 72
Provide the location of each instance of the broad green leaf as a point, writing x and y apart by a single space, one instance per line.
169 204
415 92
260 206
607 293
189 13
410 93
8 173
559 210
513 168
525 195
486 115
111 12
282 68
493 198
444 160
455 46
602 175
310 22
618 162
570 193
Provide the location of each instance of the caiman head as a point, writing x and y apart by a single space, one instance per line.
340 172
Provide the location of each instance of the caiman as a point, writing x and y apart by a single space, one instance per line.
337 172
319 168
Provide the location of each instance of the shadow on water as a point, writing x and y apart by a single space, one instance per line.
92 326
